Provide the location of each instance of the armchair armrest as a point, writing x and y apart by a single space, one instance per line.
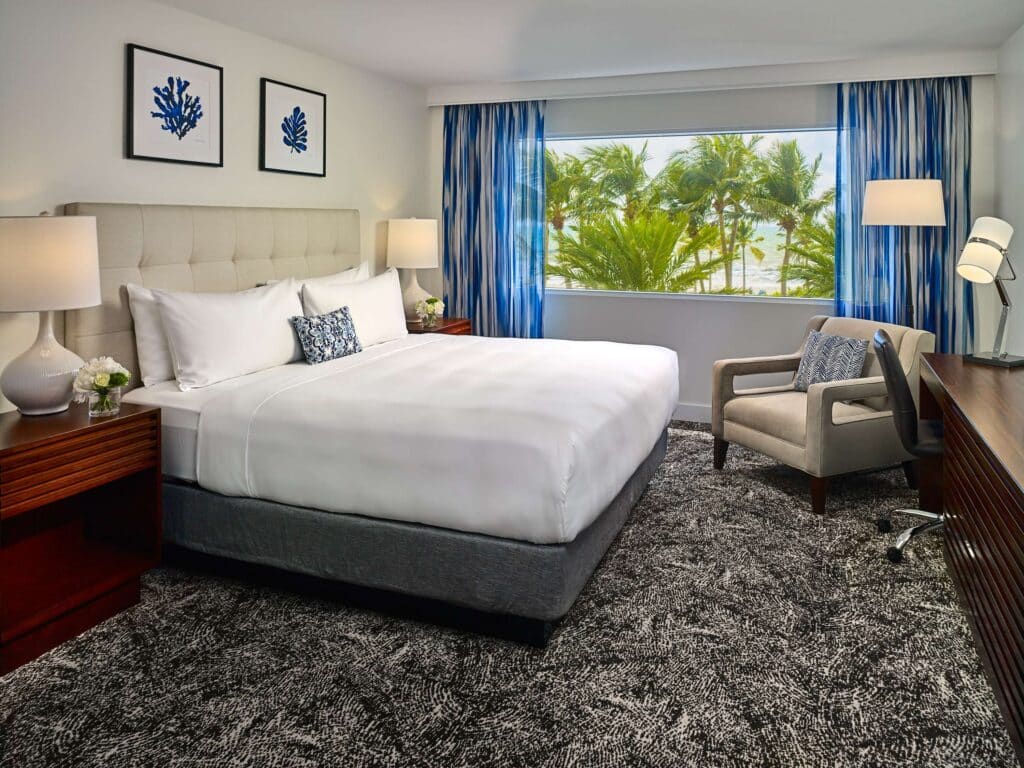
821 397
725 371
832 446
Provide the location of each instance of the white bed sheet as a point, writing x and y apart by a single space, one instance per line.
528 440
179 416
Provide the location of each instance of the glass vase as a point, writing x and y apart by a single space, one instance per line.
106 403
429 321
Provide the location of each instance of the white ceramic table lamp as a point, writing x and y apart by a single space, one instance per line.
46 264
980 262
412 245
904 203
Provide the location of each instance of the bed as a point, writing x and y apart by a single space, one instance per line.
487 474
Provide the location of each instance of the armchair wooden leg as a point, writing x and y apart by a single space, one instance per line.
721 448
819 488
910 472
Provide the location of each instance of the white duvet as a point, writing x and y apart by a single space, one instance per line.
528 440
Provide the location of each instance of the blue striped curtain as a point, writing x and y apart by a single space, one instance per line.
494 217
905 129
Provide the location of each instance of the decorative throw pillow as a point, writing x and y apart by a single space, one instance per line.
830 358
327 337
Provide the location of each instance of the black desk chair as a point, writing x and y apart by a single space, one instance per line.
921 438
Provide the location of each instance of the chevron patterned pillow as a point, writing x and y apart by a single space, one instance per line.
830 358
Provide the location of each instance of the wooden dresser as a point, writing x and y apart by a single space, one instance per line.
80 521
980 485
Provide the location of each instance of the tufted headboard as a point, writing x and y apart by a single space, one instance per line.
199 248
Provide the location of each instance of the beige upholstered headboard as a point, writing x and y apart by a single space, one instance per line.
199 248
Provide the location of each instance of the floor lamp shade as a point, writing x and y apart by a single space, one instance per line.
904 203
412 245
47 263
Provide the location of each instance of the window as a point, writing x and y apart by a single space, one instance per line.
736 213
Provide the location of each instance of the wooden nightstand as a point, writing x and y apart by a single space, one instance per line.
453 326
80 521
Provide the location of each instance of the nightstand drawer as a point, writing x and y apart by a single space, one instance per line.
54 470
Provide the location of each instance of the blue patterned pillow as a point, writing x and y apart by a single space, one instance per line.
830 358
327 337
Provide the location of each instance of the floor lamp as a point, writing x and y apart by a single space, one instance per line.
980 262
905 203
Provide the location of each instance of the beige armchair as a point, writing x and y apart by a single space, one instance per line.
831 429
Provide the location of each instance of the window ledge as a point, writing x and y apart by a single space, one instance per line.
711 297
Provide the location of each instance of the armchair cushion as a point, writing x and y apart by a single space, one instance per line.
784 414
830 358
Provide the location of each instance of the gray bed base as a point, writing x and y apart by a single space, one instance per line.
486 574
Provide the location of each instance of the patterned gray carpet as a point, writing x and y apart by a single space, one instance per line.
728 626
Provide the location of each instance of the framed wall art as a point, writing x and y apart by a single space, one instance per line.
174 108
293 129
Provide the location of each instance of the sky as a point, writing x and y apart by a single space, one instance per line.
660 148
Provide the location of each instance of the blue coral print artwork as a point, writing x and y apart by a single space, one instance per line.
295 134
293 129
179 110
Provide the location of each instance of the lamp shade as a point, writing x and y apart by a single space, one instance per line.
904 203
983 255
412 243
48 262
992 229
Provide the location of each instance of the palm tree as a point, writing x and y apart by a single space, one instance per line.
814 251
746 237
645 253
676 191
621 176
721 167
570 191
785 194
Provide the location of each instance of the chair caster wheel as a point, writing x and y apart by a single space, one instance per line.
894 555
884 526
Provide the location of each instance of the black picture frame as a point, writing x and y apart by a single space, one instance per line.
130 140
264 82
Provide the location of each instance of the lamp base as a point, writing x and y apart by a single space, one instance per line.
39 380
412 294
991 358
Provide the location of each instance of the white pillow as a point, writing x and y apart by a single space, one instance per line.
350 275
218 336
354 275
375 306
155 363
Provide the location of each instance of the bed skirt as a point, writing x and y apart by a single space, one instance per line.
488 574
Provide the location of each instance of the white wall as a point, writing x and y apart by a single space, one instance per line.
983 195
752 109
1010 154
701 329
62 117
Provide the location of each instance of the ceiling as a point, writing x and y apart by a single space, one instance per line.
439 42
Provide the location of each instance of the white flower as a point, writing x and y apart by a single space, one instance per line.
96 374
429 307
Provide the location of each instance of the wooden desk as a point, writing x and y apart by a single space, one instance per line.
979 484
